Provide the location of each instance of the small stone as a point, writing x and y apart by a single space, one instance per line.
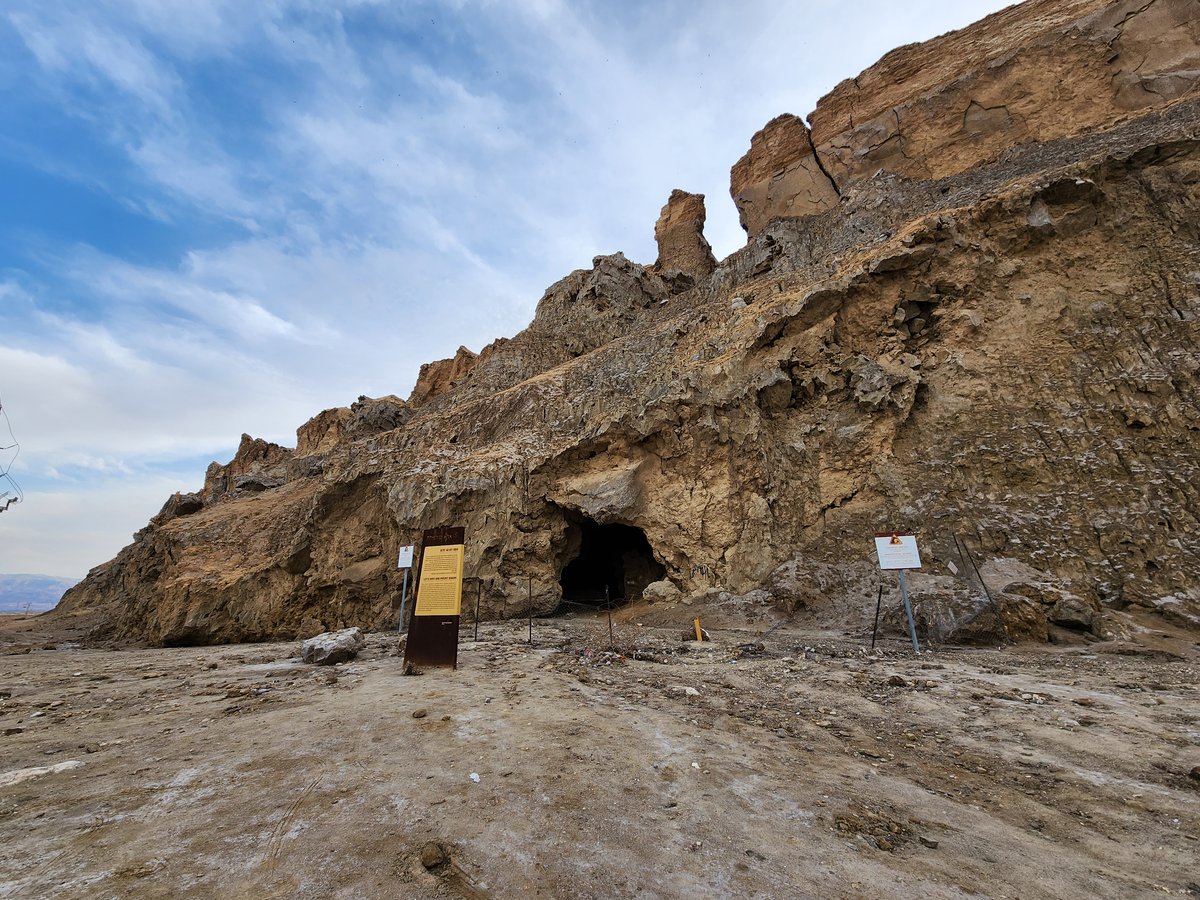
1084 701
884 844
419 713
1195 773
433 855
9 732
929 842
896 681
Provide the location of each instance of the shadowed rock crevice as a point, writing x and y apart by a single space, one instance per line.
607 563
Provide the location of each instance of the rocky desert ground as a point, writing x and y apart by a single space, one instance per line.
795 764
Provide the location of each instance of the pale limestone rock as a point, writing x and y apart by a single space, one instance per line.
333 647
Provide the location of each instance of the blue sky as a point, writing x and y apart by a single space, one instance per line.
220 217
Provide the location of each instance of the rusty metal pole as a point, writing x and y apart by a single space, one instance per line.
612 644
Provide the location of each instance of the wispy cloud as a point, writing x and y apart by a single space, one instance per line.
315 198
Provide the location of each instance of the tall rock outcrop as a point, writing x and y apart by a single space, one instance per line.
780 176
436 378
995 343
1038 71
684 254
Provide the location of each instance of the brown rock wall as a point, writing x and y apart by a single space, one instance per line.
780 175
1039 71
682 247
436 378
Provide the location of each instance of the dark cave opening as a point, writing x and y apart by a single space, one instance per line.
613 557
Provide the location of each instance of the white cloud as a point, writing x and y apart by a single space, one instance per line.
367 190
67 531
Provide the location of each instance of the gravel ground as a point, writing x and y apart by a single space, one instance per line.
801 766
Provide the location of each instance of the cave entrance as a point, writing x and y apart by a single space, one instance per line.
613 557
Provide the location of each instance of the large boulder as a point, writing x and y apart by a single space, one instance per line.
333 647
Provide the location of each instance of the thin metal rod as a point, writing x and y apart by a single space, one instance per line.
403 601
612 643
912 626
995 608
878 603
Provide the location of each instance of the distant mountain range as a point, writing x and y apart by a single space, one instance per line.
35 593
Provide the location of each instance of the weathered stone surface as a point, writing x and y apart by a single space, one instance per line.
780 175
1003 359
682 247
256 458
660 592
333 647
1041 70
436 378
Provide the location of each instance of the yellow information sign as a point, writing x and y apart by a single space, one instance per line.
440 590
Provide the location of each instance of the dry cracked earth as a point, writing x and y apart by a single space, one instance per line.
799 764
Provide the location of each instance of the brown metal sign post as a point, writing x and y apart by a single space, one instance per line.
433 632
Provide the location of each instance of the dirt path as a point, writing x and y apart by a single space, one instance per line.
807 769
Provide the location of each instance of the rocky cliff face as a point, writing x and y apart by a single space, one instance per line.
1038 71
984 329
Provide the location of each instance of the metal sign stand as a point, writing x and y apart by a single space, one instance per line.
433 632
878 604
478 594
403 601
898 551
404 561
912 627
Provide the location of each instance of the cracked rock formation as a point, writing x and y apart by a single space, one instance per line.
781 175
1038 71
991 338
684 255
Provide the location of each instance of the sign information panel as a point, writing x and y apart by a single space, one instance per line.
433 632
897 551
406 556
440 590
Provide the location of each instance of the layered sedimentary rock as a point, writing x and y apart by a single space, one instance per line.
780 175
436 378
684 254
999 353
1038 71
